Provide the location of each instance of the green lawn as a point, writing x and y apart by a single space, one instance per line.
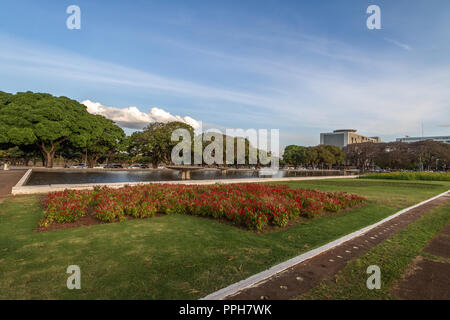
392 256
176 256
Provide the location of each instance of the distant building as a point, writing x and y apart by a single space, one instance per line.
344 137
444 139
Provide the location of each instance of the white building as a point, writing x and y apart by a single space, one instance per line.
344 137
444 139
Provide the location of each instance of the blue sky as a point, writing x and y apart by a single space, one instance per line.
303 67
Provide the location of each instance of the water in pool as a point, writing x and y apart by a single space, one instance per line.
86 176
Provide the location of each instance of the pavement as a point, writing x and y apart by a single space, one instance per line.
9 179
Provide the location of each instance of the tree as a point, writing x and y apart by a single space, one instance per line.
321 154
312 156
324 156
5 98
338 155
295 155
67 152
362 155
399 155
431 154
104 136
237 142
155 141
43 120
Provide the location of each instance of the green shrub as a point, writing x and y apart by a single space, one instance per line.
432 176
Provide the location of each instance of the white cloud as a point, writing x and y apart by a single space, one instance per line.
342 86
133 118
399 44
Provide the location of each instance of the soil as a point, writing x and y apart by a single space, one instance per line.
428 279
439 246
302 277
425 280
446 231
87 220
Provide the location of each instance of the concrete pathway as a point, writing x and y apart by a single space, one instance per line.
9 179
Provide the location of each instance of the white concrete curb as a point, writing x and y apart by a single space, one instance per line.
265 275
21 189
24 179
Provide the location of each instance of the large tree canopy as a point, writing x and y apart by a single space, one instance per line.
155 141
104 137
318 155
295 155
46 122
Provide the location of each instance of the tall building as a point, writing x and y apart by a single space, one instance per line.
444 139
344 137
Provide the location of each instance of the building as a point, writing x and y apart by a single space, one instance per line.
444 139
344 137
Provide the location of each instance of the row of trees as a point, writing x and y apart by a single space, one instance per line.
40 127
322 156
422 155
154 145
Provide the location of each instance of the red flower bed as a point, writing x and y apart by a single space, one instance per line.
252 205
66 206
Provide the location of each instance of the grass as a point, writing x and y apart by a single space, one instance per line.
392 256
176 256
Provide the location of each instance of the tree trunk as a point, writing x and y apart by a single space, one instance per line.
49 157
91 161
85 157
48 154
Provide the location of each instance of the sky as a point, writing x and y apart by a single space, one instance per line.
302 67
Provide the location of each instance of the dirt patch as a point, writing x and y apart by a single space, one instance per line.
83 221
425 280
446 231
439 246
304 276
87 220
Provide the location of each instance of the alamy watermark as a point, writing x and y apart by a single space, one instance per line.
74 280
374 281
374 20
236 146
74 20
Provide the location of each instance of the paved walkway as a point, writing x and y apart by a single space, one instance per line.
9 179
304 276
